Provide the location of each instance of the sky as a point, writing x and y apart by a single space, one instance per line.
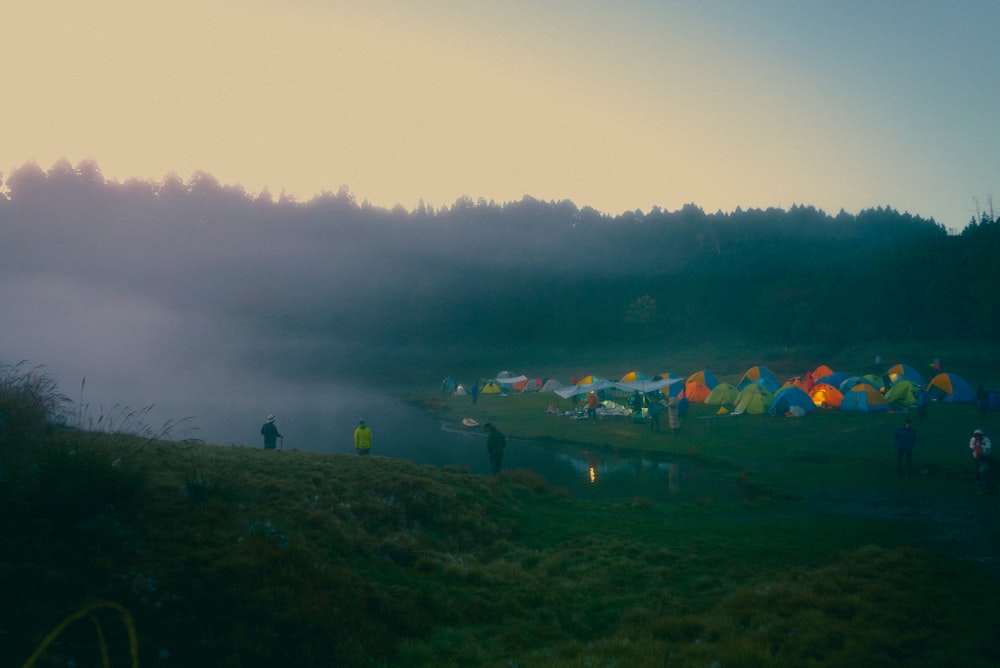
619 106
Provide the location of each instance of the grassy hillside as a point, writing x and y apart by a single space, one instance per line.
229 556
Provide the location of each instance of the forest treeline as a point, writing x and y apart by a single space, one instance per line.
330 278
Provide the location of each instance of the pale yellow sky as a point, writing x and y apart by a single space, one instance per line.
617 107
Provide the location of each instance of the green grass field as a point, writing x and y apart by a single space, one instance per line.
813 553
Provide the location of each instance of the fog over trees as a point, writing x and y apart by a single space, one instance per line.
200 271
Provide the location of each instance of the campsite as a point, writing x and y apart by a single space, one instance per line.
778 539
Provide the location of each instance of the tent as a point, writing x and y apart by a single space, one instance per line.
851 381
822 371
460 390
834 379
491 387
903 393
633 376
863 398
760 375
904 371
951 389
675 388
723 393
583 388
789 399
826 396
754 399
699 385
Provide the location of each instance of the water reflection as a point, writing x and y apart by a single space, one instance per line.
642 470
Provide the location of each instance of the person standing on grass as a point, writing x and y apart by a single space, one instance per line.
592 404
906 439
270 433
655 409
495 443
982 450
363 439
674 414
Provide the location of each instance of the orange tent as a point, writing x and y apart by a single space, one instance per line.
699 385
826 396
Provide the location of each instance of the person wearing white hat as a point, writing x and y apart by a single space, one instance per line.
270 433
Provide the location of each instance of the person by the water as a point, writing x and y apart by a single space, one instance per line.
270 433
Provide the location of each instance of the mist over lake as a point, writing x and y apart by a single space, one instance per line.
211 304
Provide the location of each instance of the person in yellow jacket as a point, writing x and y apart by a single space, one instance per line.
363 439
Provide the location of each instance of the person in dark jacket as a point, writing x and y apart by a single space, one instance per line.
906 439
495 443
270 433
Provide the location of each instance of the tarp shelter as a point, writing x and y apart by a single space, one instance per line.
760 375
951 389
902 393
863 398
723 393
582 388
826 396
754 399
509 381
699 385
643 386
904 371
674 389
791 398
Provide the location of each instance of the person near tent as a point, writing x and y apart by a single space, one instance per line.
635 403
474 391
674 414
655 410
495 444
923 401
982 453
906 439
362 439
592 404
270 433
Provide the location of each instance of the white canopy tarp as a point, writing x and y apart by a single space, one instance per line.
510 380
643 386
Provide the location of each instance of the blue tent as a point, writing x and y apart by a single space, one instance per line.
951 389
905 371
834 379
760 375
863 398
791 400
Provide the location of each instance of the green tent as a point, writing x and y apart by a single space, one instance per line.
723 393
902 393
754 399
